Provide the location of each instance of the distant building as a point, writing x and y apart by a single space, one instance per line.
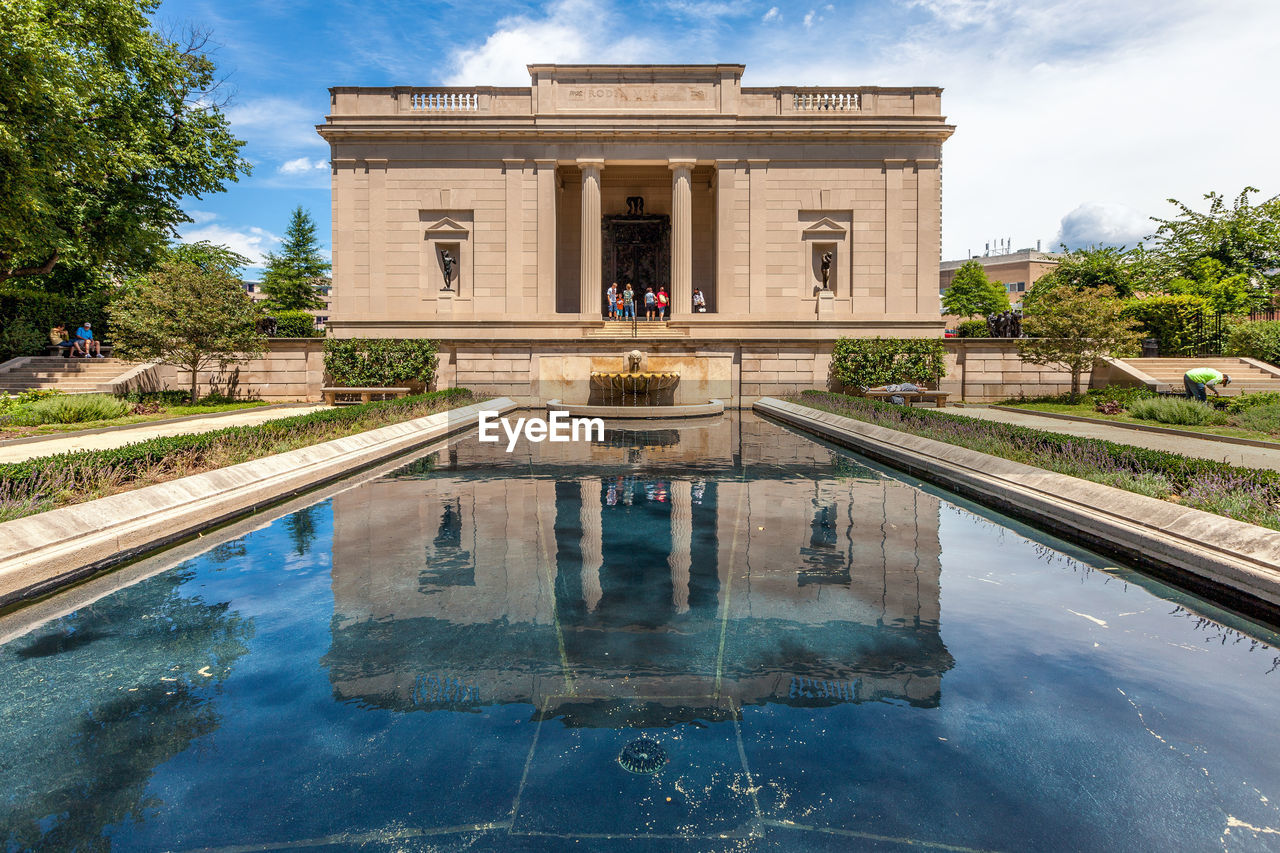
1017 271
253 287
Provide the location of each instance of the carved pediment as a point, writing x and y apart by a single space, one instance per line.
825 227
447 227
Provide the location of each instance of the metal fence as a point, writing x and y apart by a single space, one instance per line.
1209 330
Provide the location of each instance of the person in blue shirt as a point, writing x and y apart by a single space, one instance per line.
85 344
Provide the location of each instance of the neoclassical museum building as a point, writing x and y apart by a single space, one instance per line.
494 219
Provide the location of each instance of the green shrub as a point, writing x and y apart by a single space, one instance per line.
1122 394
1235 405
380 362
38 484
1174 321
867 362
164 398
295 324
1260 340
20 337
72 409
1247 494
973 329
1175 410
1260 418
46 310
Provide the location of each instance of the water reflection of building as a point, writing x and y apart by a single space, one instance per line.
771 571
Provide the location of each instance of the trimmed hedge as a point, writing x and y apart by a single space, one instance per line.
1260 340
26 316
973 329
1177 322
1246 494
295 324
38 484
867 362
380 362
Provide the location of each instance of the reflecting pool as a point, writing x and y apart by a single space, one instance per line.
475 650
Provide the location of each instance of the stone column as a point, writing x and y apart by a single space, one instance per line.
895 298
592 288
680 558
928 235
513 251
681 236
592 543
547 191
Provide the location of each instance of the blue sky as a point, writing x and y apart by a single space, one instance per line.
1076 119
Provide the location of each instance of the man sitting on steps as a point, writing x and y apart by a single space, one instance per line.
85 344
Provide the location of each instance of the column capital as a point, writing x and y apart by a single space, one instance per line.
752 165
591 164
895 162
727 164
677 163
512 163
927 162
375 162
545 163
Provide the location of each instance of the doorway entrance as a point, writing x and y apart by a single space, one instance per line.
637 249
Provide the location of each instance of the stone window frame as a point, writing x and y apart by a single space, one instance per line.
815 238
447 229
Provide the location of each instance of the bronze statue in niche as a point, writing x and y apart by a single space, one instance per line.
826 270
448 261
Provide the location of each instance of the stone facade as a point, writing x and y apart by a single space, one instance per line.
529 188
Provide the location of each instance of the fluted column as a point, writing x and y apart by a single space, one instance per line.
680 558
589 270
592 542
681 236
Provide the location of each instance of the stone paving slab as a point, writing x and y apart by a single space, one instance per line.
43 552
1219 451
1224 559
106 440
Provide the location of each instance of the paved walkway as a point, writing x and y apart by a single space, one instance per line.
1234 454
142 432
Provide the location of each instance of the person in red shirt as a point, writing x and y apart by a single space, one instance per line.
662 303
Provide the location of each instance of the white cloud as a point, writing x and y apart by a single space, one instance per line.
772 15
302 166
278 125
1097 223
573 31
1061 102
252 242
808 19
199 217
707 9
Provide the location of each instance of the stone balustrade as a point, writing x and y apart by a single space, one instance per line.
845 100
444 101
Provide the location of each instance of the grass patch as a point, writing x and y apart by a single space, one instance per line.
1245 494
18 426
47 482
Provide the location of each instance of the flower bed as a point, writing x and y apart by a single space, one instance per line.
36 485
1246 494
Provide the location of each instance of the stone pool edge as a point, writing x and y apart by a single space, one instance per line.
43 552
1229 561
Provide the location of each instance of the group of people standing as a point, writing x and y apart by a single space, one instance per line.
621 304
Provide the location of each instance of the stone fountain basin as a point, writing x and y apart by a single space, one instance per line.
634 383
694 410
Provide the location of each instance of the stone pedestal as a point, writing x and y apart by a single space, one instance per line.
444 302
826 305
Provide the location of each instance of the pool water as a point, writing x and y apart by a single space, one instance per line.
456 654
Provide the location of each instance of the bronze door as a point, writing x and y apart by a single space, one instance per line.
637 249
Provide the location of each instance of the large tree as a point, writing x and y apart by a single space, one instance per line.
971 293
1125 271
1072 327
293 278
1244 238
105 126
190 311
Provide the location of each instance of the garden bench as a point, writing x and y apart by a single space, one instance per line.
938 398
366 395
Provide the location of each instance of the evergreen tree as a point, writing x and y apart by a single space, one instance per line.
972 294
293 277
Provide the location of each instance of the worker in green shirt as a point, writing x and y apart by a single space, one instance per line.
1199 378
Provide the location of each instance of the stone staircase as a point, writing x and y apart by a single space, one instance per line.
69 375
1247 376
621 330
